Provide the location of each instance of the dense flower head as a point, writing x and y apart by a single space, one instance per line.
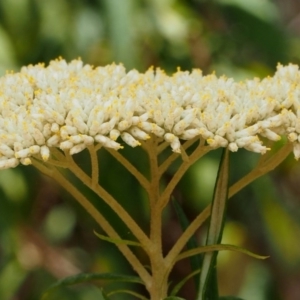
72 106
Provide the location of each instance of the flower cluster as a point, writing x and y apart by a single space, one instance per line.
72 106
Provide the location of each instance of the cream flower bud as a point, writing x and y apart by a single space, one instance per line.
88 140
233 147
105 128
8 163
53 141
76 139
257 147
123 125
180 127
94 128
18 146
217 141
45 153
47 131
114 134
66 131
296 150
152 128
271 135
190 134
206 134
139 134
247 140
292 137
6 151
77 148
107 142
55 128
26 161
22 153
80 124
38 136
130 140
34 149
174 142
66 145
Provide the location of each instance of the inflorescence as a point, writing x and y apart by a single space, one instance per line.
71 106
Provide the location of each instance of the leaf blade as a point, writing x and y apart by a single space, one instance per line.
219 247
208 278
117 241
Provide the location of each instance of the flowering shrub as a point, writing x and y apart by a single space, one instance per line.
50 113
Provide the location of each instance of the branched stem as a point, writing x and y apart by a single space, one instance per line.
166 164
198 153
159 271
95 166
157 282
264 166
111 201
132 169
187 234
98 217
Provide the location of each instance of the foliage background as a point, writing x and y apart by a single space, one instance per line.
45 236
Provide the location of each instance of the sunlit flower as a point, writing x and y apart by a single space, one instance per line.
71 106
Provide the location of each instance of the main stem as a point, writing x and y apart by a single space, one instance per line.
158 289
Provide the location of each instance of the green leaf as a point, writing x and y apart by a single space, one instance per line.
218 247
86 277
208 278
117 241
195 261
179 285
137 295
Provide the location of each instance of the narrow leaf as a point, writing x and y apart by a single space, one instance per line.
195 261
218 247
174 298
137 295
117 241
87 277
208 278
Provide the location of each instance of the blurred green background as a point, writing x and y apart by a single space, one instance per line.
45 235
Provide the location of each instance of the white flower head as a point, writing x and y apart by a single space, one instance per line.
72 106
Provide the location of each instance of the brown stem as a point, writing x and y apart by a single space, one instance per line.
95 166
102 222
111 201
159 279
264 166
198 153
139 176
166 164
